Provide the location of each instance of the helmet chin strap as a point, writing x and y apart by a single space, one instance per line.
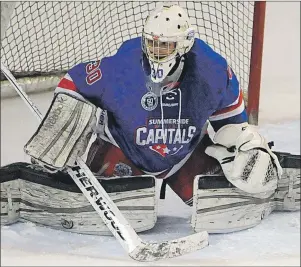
173 76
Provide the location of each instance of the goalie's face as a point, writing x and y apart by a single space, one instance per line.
167 36
160 50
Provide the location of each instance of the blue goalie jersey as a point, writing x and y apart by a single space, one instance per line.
157 133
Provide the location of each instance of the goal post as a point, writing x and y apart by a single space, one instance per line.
256 62
45 39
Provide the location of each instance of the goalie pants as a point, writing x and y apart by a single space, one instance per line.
103 158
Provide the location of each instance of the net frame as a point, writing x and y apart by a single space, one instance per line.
103 26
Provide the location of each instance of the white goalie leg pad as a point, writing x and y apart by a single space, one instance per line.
224 210
64 133
246 159
42 200
287 195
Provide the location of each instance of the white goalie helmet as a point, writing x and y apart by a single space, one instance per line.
167 35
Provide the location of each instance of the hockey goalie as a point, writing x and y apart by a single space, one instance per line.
142 115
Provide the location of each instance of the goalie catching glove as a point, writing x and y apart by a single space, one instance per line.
63 134
246 158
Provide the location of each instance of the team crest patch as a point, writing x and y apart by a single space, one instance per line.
149 101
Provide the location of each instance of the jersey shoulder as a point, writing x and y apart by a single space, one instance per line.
126 51
106 68
129 46
209 66
213 72
204 53
126 58
100 79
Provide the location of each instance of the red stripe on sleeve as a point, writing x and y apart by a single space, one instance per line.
67 84
227 109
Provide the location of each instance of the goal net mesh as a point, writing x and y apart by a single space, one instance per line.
48 38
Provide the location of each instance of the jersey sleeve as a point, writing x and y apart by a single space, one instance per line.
66 85
83 81
231 109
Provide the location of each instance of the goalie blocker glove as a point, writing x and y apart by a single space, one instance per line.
246 159
63 134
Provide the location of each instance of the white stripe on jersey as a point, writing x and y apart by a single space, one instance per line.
68 77
235 102
229 114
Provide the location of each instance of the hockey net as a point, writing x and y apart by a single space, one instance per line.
45 39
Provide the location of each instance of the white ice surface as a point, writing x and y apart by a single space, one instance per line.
276 241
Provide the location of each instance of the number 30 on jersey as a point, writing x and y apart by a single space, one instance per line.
93 72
